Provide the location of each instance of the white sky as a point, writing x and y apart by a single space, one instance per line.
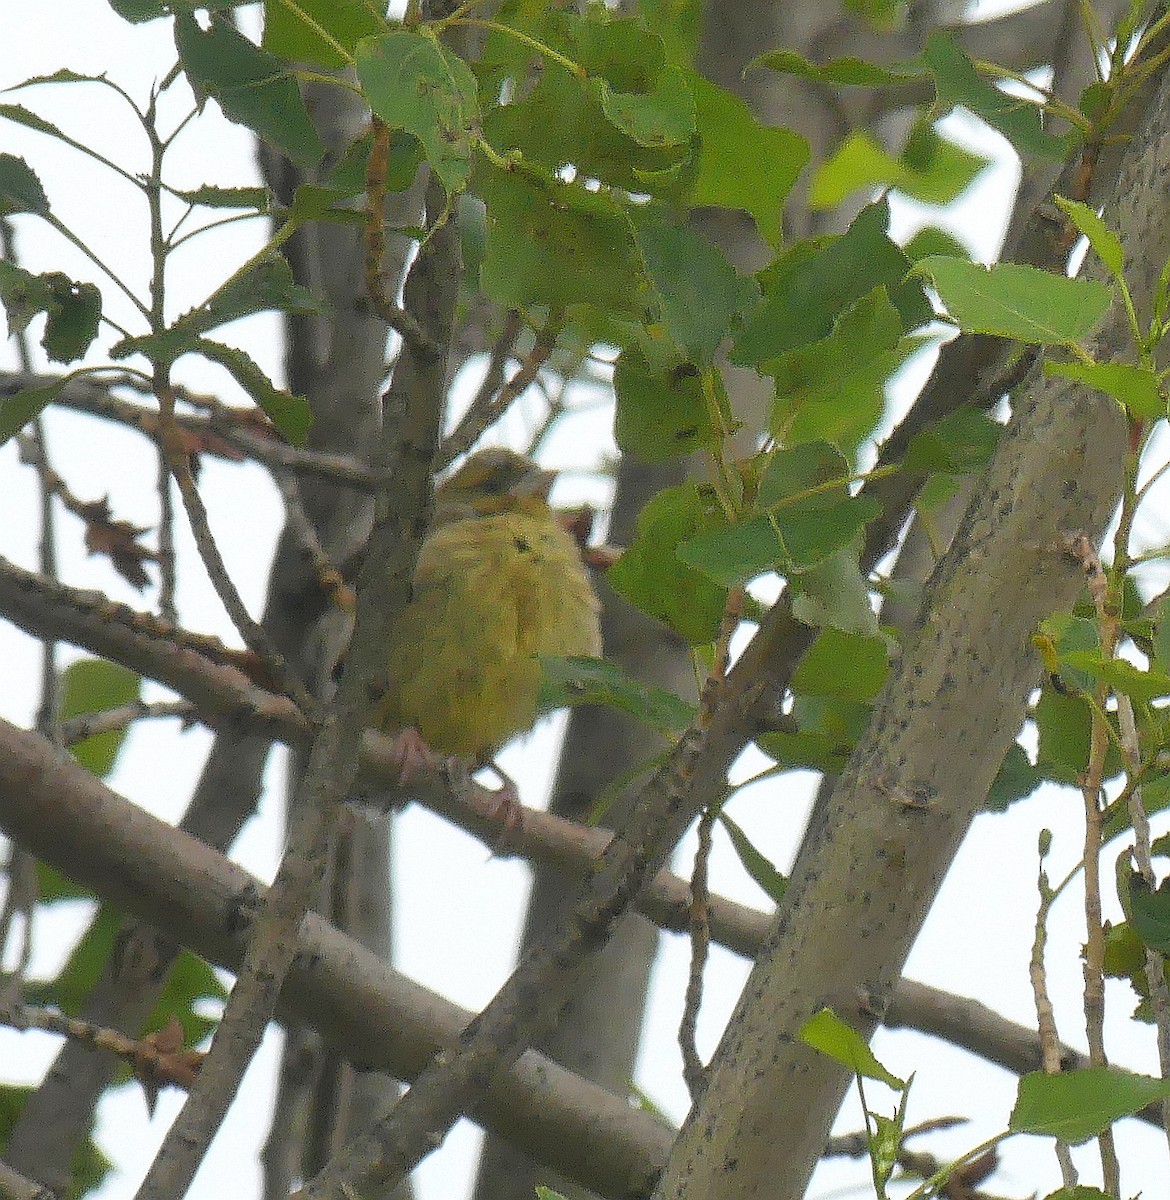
975 943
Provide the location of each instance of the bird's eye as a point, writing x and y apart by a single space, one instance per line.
495 483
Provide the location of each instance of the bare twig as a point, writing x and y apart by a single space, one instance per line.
399 319
1045 1015
254 635
694 1071
1093 796
486 410
225 431
167 561
327 576
156 1060
77 729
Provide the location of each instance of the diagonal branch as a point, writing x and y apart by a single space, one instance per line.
371 1013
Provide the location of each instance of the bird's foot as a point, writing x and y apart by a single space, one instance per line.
413 755
504 807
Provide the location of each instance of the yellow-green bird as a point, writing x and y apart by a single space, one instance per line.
499 582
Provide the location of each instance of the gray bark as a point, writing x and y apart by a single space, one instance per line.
940 730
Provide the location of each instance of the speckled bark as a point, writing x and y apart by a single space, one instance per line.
921 772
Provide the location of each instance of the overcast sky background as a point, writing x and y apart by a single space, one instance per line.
459 910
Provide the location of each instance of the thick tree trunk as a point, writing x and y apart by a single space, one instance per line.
940 729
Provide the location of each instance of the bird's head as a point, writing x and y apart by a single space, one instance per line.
493 481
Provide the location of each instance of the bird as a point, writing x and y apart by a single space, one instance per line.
499 583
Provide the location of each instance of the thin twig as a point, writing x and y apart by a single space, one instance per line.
254 635
327 576
1092 792
402 322
167 561
226 431
155 1059
78 729
1050 1049
694 1069
486 412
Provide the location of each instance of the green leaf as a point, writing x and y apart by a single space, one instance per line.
812 474
209 196
1137 389
266 284
650 575
1015 780
138 11
1125 953
1077 1105
83 968
810 518
17 410
883 15
958 444
789 540
413 82
1149 912
957 82
594 117
251 86
664 116
699 292
72 310
1016 301
89 1167
1120 675
885 1146
661 414
808 288
1079 1192
1155 799
679 23
835 389
1063 723
290 414
830 1035
933 240
743 164
834 593
290 32
734 555
1103 240
848 71
52 886
557 244
827 731
569 682
20 115
847 666
20 188
757 865
1161 643
932 169
190 984
92 685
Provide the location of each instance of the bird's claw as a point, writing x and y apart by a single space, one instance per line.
413 755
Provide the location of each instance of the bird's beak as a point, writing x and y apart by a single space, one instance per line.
536 483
